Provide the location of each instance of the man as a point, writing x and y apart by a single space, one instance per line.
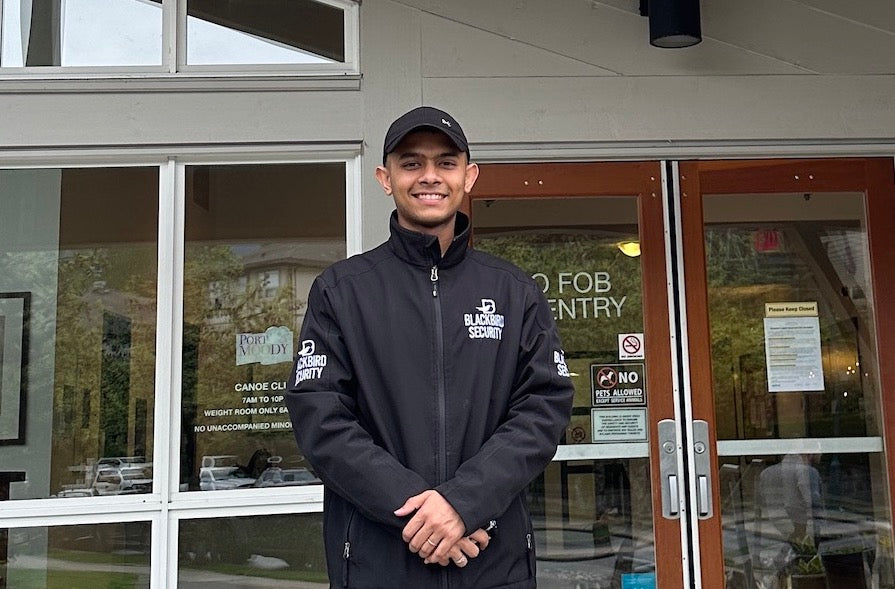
430 388
791 494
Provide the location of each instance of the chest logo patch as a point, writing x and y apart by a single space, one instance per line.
308 365
486 324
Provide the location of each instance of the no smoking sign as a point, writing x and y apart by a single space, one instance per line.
630 346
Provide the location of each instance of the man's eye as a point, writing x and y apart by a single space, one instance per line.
449 164
410 165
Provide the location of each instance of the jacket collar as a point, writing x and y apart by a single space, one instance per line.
420 249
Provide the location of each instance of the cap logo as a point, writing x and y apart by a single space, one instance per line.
445 122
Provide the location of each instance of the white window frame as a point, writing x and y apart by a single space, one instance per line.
166 505
173 73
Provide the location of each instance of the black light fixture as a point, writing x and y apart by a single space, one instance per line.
672 23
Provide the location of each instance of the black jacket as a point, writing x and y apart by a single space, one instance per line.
418 371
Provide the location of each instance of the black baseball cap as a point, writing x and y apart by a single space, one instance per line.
424 117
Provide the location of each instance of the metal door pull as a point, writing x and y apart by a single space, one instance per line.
674 500
703 495
668 474
703 469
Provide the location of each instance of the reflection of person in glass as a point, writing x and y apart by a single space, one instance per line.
431 387
794 485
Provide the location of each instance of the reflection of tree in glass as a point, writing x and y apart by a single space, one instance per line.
222 298
552 252
105 354
741 279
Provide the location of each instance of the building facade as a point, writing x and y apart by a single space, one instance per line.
710 225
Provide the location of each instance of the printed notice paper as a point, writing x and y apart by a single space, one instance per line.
792 351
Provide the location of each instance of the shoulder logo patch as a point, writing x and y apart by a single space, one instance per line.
308 365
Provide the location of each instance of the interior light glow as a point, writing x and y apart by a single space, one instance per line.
630 248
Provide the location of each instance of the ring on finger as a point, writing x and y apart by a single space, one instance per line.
461 561
429 540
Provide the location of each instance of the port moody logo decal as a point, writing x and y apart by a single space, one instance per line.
486 324
308 364
271 347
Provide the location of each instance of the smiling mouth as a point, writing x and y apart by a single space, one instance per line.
429 196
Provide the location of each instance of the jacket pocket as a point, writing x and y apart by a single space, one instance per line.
530 545
515 536
346 549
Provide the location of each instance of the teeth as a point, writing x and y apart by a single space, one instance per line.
428 196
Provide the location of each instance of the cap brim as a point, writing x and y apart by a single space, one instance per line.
456 139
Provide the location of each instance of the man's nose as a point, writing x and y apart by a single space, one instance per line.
430 174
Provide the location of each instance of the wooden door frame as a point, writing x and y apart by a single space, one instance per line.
613 179
872 176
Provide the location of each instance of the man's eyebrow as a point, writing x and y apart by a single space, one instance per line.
410 154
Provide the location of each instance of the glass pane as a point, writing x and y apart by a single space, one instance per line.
90 556
592 518
789 518
79 246
81 33
256 238
760 274
272 32
251 552
794 362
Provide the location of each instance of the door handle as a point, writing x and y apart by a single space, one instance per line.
703 469
671 504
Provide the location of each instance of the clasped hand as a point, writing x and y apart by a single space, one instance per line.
435 532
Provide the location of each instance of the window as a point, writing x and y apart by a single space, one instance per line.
267 32
80 246
99 486
264 549
248 267
88 555
293 36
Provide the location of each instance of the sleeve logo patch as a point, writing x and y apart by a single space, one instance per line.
559 358
308 365
307 348
486 324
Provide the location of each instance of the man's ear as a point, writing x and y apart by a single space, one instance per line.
472 174
384 179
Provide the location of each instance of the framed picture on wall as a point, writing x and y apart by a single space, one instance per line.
15 309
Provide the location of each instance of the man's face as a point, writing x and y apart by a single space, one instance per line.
427 176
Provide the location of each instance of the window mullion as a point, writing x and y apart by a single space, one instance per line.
170 31
164 428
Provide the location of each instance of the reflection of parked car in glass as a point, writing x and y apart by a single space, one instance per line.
121 461
222 472
76 492
125 480
110 475
136 479
276 476
107 481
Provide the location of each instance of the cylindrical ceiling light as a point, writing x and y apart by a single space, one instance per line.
674 23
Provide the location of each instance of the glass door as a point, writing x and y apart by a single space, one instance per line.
788 280
592 237
727 337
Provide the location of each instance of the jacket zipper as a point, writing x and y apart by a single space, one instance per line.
440 458
441 462
529 555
